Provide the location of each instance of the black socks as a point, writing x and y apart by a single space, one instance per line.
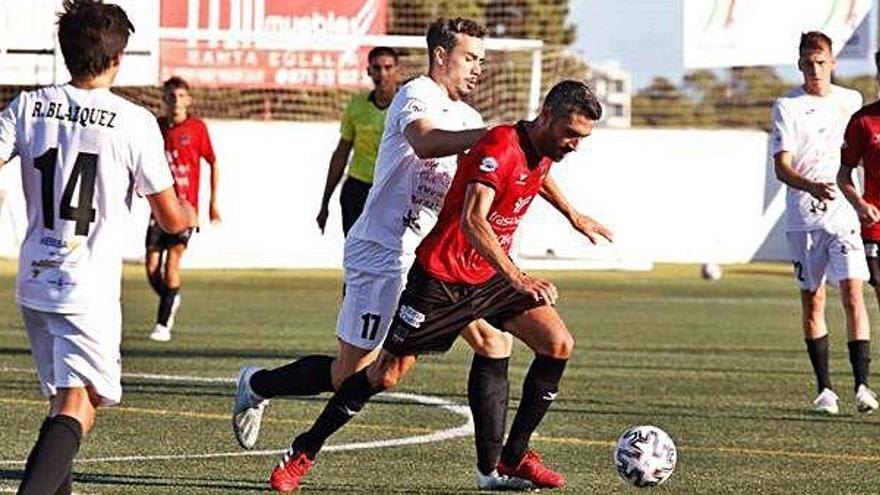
166 305
309 375
539 391
860 359
351 397
488 393
818 351
51 459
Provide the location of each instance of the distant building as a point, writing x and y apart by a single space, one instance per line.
613 87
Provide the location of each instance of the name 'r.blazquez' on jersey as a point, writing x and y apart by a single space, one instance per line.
81 115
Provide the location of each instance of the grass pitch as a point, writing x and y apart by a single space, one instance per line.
720 366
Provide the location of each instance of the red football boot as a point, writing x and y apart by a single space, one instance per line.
286 475
530 468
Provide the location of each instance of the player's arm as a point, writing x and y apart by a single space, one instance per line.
338 161
429 142
475 224
551 192
867 212
173 215
787 174
213 209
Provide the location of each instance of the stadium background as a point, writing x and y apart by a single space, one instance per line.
683 178
682 162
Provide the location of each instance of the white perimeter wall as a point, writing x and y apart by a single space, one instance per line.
670 196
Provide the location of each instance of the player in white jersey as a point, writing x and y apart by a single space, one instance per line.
822 228
427 126
84 151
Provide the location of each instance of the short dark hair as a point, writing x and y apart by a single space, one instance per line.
877 60
570 96
442 33
92 34
382 51
175 82
814 41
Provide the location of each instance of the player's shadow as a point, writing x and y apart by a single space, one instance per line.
15 351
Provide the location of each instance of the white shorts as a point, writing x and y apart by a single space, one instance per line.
817 254
368 307
77 350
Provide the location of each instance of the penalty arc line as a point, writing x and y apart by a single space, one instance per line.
438 436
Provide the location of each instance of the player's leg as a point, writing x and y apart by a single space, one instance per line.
153 257
153 267
367 309
542 329
169 301
848 268
347 402
809 254
488 395
428 318
77 360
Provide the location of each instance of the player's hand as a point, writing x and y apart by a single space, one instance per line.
868 213
214 215
322 218
189 212
823 191
591 228
541 290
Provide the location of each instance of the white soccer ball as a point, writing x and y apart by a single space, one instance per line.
645 456
711 271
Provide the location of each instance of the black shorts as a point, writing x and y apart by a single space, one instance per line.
872 256
431 313
352 198
158 240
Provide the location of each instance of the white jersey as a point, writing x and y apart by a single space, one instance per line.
83 154
811 129
407 191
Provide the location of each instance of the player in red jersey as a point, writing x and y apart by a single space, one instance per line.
861 146
186 144
463 273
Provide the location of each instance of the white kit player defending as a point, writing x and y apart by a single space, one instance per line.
426 127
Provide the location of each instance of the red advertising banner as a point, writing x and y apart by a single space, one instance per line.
268 43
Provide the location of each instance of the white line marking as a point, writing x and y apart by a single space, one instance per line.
438 436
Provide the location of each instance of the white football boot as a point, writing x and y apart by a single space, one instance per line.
866 399
247 412
826 402
160 333
499 482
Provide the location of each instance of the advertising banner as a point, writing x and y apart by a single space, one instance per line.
728 33
269 43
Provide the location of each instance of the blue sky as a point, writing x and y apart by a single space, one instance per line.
645 38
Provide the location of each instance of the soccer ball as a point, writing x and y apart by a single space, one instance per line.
711 271
645 456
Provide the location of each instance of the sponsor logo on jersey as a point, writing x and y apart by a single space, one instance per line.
521 203
500 220
489 165
410 316
37 267
414 106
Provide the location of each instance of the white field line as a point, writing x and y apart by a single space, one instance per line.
438 436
